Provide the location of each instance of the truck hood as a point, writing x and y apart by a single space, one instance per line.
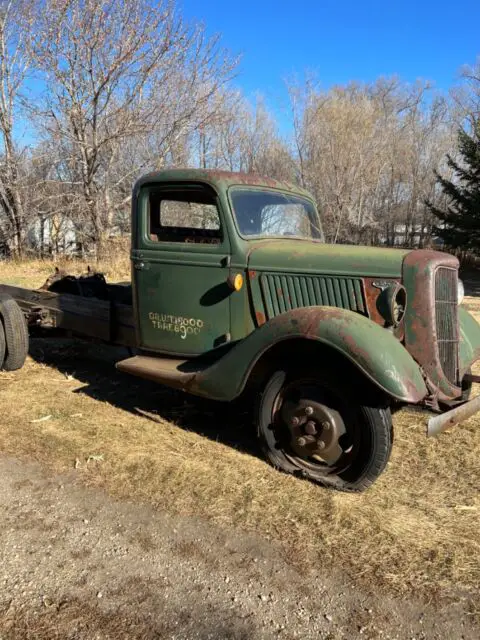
307 256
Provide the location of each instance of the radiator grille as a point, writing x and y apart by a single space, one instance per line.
446 317
285 292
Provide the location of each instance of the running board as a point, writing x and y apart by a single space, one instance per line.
168 371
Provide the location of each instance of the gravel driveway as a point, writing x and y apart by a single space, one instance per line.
74 563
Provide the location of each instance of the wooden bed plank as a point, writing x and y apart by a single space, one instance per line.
86 316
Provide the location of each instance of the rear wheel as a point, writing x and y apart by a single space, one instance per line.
312 424
3 347
16 333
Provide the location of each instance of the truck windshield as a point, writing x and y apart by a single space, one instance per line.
268 214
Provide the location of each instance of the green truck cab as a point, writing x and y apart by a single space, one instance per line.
236 296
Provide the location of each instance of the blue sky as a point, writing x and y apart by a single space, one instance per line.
339 41
343 40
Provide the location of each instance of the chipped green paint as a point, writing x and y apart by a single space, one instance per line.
388 365
313 257
219 180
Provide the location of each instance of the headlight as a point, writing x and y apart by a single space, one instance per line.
392 303
460 291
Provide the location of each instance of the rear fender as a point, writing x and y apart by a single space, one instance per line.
372 349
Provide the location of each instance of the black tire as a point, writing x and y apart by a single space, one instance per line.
3 347
16 333
365 446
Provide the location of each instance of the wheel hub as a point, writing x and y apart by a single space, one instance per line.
315 429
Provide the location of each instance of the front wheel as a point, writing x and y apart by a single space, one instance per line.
311 424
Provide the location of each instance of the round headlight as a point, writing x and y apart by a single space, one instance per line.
399 304
392 303
460 291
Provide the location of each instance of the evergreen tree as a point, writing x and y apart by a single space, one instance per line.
461 219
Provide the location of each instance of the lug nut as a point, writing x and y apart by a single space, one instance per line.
308 411
304 440
320 444
295 421
311 428
326 426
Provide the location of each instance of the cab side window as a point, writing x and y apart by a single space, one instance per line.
184 217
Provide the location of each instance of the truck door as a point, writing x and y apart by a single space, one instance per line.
180 270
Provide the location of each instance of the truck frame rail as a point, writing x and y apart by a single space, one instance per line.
88 317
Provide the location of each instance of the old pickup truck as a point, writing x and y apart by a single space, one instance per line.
235 294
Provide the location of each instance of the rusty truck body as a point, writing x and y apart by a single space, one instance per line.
234 293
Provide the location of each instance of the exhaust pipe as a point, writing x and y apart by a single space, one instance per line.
439 423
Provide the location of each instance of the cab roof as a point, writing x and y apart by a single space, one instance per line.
219 180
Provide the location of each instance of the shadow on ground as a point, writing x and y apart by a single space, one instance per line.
94 365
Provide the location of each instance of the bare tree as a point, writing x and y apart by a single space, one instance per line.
128 86
465 95
367 153
15 61
241 137
117 71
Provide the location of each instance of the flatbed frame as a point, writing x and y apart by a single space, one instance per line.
87 317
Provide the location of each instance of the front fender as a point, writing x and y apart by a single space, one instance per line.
374 350
469 348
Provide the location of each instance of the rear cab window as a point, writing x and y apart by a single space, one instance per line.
184 216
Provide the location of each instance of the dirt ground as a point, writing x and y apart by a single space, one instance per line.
77 564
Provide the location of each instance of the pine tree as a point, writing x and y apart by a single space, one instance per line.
461 219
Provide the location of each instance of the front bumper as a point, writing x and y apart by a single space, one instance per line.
466 410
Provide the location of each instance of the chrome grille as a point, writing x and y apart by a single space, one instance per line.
282 293
446 318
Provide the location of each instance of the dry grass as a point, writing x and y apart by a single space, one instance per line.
57 621
416 530
33 273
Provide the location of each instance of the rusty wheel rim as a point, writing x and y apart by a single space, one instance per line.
311 428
